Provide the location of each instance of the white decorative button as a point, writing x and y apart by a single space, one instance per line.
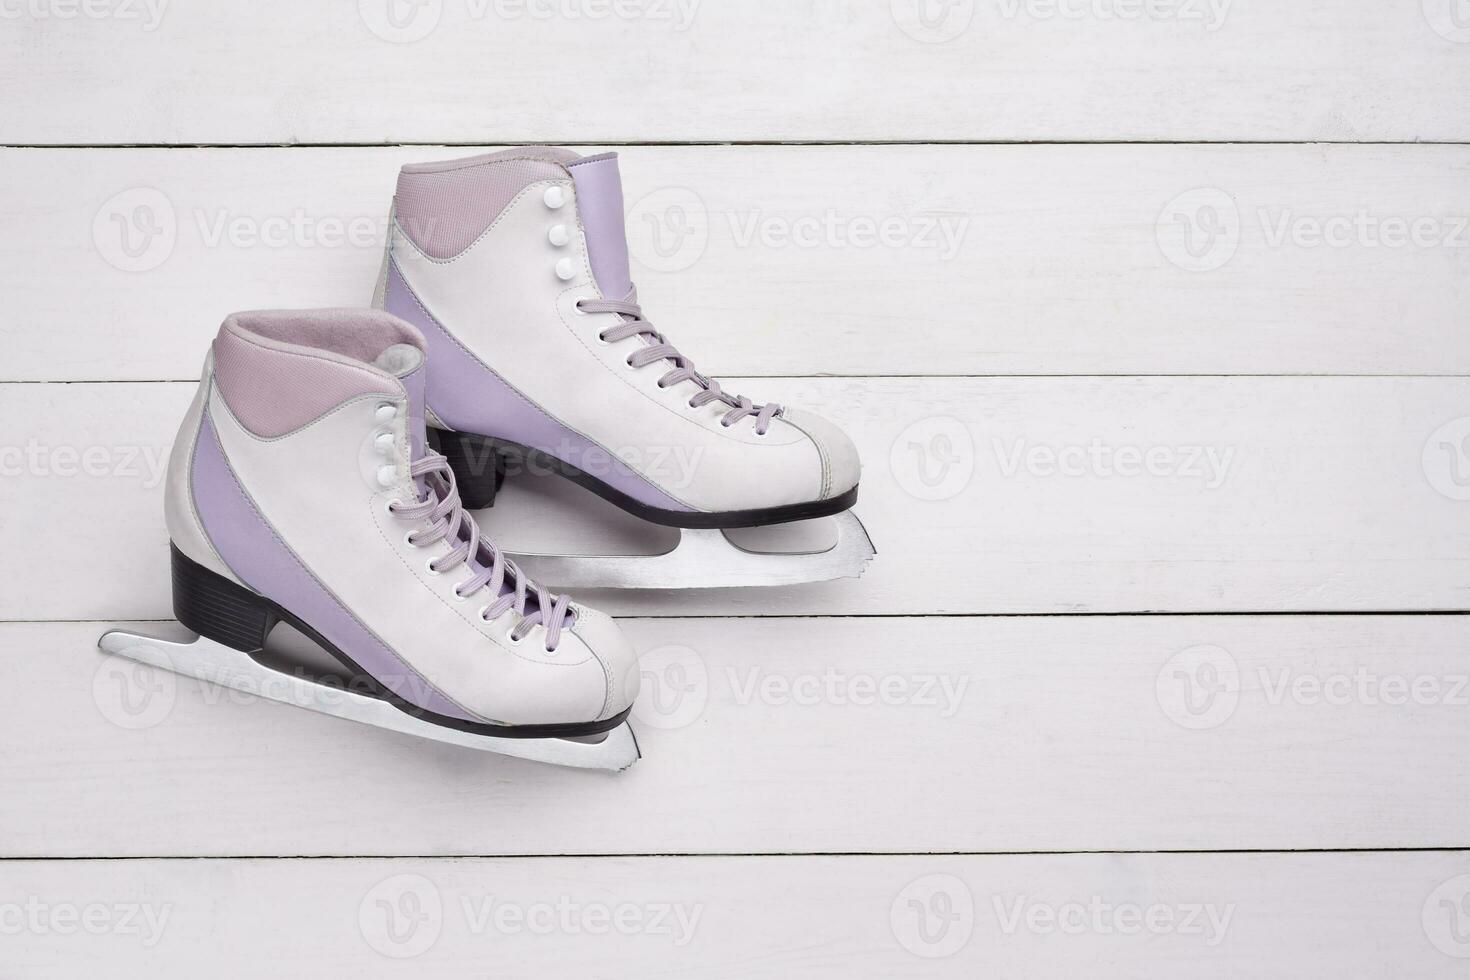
386 413
564 269
558 235
384 443
387 476
554 197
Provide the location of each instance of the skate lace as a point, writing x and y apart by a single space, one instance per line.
659 349
488 566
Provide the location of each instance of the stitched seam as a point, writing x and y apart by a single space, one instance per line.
189 480
822 455
453 607
584 615
517 392
488 228
587 271
270 528
676 413
472 165
320 418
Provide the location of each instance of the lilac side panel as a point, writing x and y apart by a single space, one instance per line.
469 397
600 205
255 553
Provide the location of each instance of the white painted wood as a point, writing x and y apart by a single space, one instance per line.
999 259
1209 916
1267 494
806 735
280 71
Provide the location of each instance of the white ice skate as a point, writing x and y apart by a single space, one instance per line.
300 490
514 266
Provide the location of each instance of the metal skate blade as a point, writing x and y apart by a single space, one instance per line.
709 559
216 663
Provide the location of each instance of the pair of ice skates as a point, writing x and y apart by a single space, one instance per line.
305 486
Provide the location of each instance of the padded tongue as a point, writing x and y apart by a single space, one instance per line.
406 363
600 205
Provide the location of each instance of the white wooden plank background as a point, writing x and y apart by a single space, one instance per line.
1002 259
1355 915
1002 734
1170 296
287 72
1319 496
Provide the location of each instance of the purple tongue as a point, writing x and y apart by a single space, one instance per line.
600 204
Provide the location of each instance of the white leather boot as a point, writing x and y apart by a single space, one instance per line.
515 267
300 489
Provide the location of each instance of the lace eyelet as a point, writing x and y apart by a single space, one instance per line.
629 361
429 567
389 508
724 424
577 308
408 539
514 640
458 596
603 340
483 610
